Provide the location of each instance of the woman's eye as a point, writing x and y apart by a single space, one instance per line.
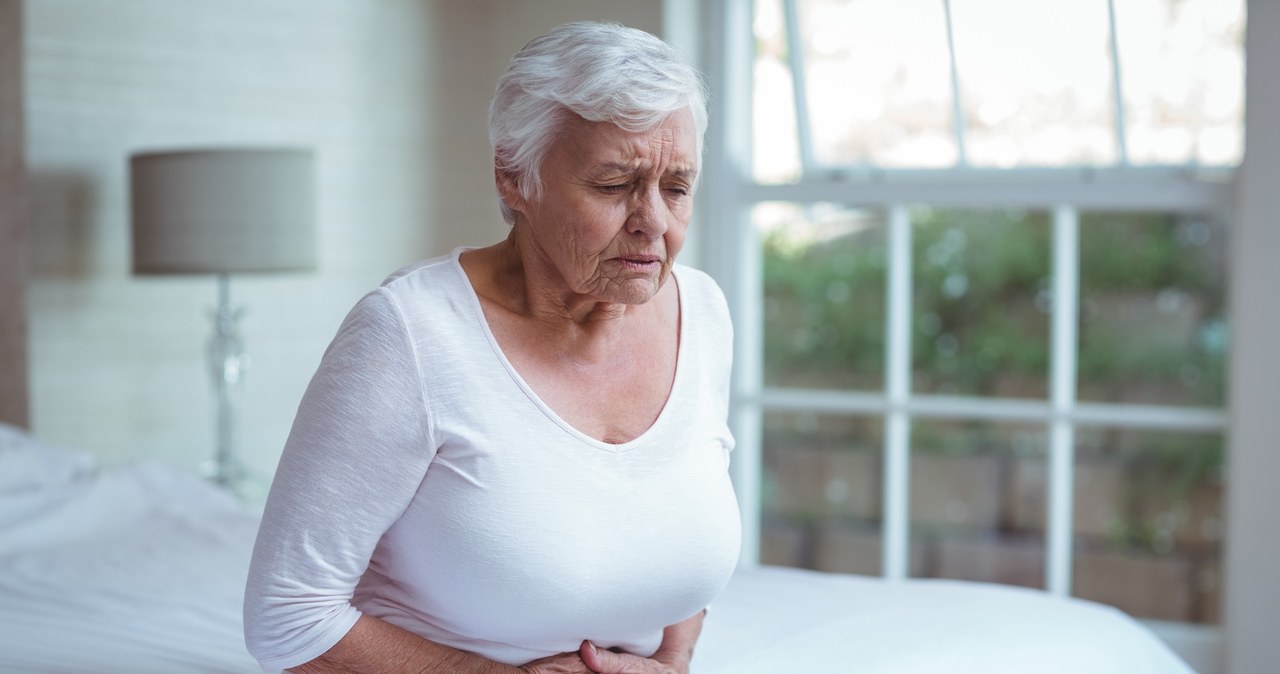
614 188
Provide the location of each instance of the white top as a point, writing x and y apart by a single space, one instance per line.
426 484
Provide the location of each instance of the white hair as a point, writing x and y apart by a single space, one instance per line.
602 72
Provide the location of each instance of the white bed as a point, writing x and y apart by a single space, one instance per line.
140 569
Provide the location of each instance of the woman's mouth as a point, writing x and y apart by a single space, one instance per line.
640 261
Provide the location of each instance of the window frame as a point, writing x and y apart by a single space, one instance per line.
731 251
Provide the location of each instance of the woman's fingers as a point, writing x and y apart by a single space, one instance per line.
604 661
601 660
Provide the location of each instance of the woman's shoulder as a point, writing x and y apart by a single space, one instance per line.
426 286
422 285
431 270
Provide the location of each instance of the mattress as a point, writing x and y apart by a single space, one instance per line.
140 568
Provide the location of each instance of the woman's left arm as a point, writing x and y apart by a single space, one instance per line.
672 657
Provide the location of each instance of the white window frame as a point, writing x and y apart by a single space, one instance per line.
730 250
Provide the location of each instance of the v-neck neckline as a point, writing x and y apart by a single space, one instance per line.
532 395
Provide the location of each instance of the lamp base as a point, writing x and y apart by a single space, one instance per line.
228 362
229 474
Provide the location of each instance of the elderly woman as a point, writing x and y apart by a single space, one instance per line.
515 458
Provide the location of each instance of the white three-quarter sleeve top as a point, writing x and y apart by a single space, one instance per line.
426 484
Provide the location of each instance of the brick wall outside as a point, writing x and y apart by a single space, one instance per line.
1149 548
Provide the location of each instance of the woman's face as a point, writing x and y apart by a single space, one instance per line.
614 207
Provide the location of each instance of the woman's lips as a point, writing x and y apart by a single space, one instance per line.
639 261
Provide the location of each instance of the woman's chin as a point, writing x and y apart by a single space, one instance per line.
636 294
631 291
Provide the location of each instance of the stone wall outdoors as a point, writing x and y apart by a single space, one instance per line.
981 517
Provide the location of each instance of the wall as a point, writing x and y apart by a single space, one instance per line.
1253 584
391 94
13 323
117 362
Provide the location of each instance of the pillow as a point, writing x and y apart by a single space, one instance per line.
26 464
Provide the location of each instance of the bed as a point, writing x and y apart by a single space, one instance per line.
140 569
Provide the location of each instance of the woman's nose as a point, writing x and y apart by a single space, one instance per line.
649 214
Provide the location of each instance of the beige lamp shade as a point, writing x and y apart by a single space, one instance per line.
222 211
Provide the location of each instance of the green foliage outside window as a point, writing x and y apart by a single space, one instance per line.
1151 328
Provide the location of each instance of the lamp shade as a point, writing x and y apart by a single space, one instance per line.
222 211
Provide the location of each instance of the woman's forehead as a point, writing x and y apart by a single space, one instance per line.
606 147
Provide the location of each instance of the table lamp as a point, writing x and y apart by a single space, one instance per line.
223 212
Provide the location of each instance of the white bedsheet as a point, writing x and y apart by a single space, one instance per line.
776 621
140 570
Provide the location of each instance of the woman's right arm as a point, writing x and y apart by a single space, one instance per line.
359 448
374 646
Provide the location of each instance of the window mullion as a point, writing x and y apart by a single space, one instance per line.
732 240
1062 382
799 87
957 111
747 416
1122 147
897 466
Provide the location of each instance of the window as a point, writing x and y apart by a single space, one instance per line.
925 84
977 271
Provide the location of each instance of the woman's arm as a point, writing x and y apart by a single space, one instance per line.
672 657
356 455
374 646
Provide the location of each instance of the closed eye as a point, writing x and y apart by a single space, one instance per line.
613 189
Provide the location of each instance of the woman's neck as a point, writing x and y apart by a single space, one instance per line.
528 284
515 286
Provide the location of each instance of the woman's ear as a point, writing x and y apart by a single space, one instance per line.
508 188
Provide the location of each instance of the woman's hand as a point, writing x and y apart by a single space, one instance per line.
609 662
673 655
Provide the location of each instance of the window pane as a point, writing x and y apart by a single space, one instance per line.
1182 76
1152 315
981 313
1035 82
878 80
822 492
974 515
1149 522
775 145
824 287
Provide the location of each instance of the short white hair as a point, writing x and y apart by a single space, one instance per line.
602 72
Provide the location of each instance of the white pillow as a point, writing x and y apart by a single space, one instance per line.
26 464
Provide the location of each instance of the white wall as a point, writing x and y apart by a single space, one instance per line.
116 361
1253 509
392 94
